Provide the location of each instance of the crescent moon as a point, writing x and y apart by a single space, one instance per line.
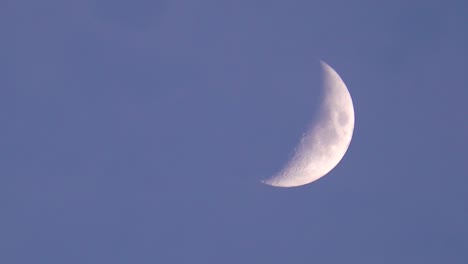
325 143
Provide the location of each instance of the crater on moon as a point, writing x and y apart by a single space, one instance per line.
343 118
323 146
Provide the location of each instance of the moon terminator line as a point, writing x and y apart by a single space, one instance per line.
323 146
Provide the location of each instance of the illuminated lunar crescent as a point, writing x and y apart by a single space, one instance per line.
323 146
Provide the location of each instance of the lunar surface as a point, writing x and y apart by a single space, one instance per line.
325 143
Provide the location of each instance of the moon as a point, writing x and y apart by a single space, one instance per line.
325 143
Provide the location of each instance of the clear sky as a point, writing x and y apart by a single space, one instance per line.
137 131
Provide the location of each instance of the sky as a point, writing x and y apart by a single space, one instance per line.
138 131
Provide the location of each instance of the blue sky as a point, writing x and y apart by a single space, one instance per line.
138 131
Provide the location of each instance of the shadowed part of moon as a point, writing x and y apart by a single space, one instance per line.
131 13
323 146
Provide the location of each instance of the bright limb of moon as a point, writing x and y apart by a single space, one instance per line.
323 146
